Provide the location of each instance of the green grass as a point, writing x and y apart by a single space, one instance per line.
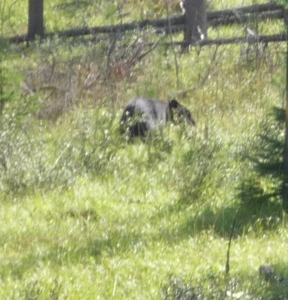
87 215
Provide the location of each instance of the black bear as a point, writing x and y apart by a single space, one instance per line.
142 115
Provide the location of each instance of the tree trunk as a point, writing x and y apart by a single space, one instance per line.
35 19
285 183
195 21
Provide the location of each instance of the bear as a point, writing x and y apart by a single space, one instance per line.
143 114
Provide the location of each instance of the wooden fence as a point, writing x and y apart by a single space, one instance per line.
241 15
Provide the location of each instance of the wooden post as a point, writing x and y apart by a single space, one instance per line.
35 19
195 21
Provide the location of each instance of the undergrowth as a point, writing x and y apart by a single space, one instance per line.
87 214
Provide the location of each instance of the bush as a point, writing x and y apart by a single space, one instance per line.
33 159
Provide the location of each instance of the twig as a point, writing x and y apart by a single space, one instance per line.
227 267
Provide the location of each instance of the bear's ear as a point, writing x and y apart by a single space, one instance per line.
173 104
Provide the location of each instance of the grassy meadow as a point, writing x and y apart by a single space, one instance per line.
86 214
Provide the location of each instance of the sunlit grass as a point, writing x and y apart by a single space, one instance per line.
84 243
85 214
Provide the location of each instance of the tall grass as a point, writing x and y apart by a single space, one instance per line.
85 214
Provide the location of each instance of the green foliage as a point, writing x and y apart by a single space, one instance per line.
267 157
38 290
34 160
87 214
283 2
